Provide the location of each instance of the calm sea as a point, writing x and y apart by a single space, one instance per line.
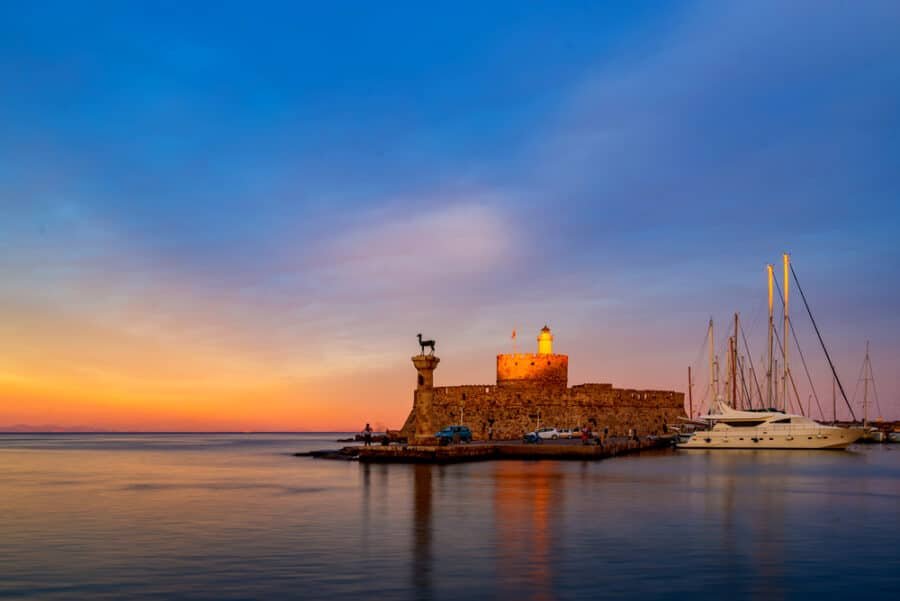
238 517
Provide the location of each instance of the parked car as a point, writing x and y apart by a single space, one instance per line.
569 433
454 434
546 433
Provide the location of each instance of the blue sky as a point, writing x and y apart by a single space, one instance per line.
288 192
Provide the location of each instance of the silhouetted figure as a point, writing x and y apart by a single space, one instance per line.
367 435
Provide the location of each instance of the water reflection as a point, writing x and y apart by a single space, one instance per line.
176 515
527 498
422 530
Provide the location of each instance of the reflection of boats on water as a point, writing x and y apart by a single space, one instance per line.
733 422
734 429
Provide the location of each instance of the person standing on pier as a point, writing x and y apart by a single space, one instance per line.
367 435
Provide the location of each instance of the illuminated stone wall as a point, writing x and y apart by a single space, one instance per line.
533 369
514 410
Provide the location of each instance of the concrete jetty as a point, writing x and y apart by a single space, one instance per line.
457 453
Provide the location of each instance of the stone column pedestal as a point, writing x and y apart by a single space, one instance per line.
424 396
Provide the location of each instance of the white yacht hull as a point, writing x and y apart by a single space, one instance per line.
774 437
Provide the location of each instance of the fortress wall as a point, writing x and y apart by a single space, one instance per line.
535 369
514 410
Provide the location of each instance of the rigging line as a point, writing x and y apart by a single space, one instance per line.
802 359
762 369
700 354
747 391
758 314
822 342
796 394
859 378
790 375
874 390
877 402
752 371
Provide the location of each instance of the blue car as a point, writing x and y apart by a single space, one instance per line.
454 434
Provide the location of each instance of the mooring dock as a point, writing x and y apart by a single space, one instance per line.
483 451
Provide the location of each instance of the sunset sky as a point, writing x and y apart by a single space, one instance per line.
237 216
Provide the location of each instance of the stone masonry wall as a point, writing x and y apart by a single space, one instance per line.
516 409
534 369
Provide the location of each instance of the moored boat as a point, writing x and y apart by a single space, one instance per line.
731 426
732 429
872 435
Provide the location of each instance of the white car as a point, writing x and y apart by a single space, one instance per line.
546 433
569 433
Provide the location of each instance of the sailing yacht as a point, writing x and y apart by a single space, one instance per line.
870 434
730 428
733 429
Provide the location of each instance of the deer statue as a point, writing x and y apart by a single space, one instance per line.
424 343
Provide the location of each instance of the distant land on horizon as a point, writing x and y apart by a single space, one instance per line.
55 429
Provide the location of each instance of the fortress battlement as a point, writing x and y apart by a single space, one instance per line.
531 391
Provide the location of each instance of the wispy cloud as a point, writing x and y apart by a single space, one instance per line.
419 251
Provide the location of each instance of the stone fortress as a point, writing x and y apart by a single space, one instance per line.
532 391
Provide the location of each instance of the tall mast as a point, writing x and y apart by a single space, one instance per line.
866 369
734 368
753 379
769 390
690 395
774 388
784 331
729 396
746 389
713 383
716 375
833 400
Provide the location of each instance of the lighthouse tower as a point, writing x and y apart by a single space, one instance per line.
545 341
542 369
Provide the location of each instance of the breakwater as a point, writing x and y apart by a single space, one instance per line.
458 453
